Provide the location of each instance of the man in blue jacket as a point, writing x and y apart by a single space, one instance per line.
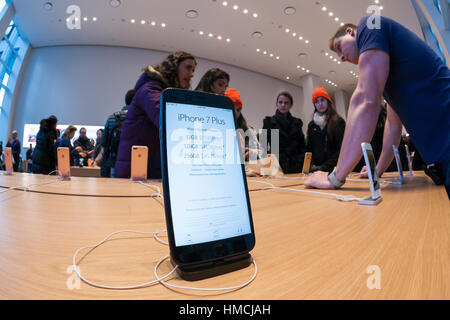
396 64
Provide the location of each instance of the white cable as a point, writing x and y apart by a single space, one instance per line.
158 239
146 284
201 289
158 194
27 187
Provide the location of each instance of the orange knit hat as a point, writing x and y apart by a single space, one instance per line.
320 92
234 95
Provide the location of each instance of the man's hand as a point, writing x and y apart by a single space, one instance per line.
319 180
363 173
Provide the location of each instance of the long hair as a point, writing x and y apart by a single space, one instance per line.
287 95
332 121
206 82
169 67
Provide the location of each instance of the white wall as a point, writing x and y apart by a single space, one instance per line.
85 84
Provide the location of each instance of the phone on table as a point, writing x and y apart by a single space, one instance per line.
64 163
8 160
375 189
207 206
139 159
307 163
398 161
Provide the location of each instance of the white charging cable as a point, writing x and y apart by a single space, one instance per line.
27 187
345 198
158 194
146 284
201 289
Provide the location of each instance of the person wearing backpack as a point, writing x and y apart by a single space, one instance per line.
141 125
110 139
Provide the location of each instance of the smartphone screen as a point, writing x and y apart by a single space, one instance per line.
207 192
399 164
372 170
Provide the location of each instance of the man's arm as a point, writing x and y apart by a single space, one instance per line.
392 136
362 116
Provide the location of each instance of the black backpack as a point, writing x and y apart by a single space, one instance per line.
115 134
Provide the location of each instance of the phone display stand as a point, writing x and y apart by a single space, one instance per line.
8 173
204 270
64 177
369 201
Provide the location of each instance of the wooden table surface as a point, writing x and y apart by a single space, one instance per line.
307 246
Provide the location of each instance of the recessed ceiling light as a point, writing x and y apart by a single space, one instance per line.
142 21
324 8
307 71
330 14
201 33
258 50
271 54
85 19
114 3
132 21
219 37
224 3
298 67
287 78
287 30
94 19
48 6
257 34
153 23
306 41
300 38
192 14
210 35
245 11
289 11
255 15
163 25
277 57
235 7
265 52
228 40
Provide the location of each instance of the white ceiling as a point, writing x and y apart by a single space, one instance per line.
113 27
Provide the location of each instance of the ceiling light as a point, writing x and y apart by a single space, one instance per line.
191 14
306 41
163 25
228 40
336 19
85 19
326 53
257 34
132 21
294 34
201 33
303 69
154 23
219 37
278 58
324 8
258 50
342 24
245 11
287 30
142 21
289 11
265 52
381 8
271 54
298 67
330 14
210 35
48 6
300 38
235 7
94 19
377 1
287 78
224 3
255 15
307 71
114 3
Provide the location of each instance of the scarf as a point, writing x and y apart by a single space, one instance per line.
320 119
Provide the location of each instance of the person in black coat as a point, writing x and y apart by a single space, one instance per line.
44 155
325 133
291 138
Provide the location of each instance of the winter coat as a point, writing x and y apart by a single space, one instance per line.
141 125
291 141
325 151
44 154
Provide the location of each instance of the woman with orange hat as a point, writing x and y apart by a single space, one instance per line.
325 133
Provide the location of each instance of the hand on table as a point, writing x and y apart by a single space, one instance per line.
319 180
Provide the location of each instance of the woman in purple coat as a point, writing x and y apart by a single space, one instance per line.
141 125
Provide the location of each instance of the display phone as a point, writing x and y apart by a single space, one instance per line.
139 159
375 189
206 200
8 161
398 161
64 163
307 163
408 155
